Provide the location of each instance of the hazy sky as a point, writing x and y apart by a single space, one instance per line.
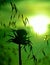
26 7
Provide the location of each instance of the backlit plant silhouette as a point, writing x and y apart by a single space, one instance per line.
16 12
20 38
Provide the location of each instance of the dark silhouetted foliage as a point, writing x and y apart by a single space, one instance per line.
20 38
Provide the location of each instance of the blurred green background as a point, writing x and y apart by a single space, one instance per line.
9 51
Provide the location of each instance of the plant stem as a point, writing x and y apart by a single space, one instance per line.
20 61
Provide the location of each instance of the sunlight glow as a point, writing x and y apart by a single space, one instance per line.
39 23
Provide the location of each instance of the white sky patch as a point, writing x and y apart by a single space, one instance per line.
39 23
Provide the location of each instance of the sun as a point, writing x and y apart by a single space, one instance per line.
39 23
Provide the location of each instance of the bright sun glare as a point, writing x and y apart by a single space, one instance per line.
39 23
